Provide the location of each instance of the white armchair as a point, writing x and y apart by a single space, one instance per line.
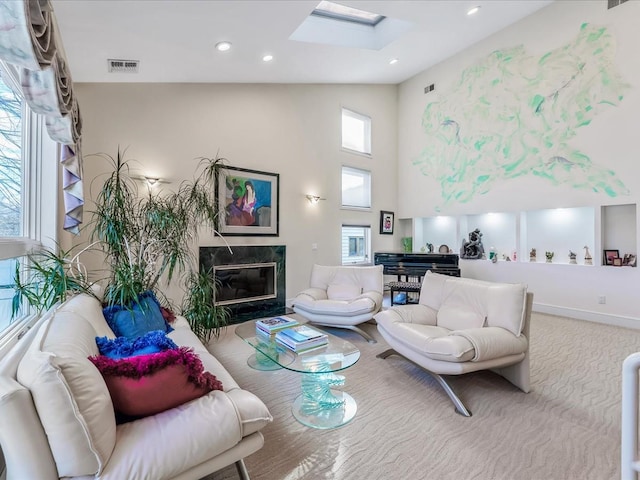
341 297
462 325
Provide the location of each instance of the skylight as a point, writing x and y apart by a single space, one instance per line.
347 14
333 24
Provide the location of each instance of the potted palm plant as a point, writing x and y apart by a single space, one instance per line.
148 238
144 239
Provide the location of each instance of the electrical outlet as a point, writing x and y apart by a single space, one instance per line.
314 246
602 299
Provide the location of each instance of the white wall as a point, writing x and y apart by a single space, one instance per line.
292 130
609 140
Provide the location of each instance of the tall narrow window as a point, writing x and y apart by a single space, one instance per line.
11 188
27 202
11 181
356 188
356 244
356 132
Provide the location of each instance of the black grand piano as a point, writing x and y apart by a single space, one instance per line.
409 268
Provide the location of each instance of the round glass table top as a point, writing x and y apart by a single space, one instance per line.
336 355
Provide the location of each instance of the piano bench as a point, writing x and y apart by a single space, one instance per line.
407 287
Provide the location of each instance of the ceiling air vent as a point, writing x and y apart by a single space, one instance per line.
123 66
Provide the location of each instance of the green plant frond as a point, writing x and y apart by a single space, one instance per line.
205 318
209 168
46 278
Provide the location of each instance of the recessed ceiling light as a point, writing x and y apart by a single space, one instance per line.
267 58
393 61
473 10
223 46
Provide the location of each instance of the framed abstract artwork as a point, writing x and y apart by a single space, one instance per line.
248 201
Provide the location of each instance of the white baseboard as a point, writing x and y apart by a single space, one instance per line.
606 318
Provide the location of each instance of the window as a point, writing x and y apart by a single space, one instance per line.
356 188
27 205
356 244
356 132
11 187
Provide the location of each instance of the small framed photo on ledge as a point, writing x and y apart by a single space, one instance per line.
610 256
386 223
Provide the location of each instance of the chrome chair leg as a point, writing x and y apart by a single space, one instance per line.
359 331
460 408
242 470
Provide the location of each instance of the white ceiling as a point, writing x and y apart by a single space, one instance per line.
174 40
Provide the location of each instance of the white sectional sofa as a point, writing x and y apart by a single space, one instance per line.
63 423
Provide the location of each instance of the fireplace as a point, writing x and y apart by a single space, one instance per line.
251 279
245 283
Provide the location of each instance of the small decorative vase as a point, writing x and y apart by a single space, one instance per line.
588 260
407 244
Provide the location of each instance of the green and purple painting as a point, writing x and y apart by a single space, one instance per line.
515 114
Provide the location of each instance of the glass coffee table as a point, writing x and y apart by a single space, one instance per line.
320 405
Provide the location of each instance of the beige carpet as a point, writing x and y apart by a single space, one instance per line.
567 427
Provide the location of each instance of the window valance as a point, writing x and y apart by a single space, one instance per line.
29 40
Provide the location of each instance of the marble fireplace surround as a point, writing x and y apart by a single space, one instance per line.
246 308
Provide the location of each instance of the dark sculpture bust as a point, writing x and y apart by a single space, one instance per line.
472 248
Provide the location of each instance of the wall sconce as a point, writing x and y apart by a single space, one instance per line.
151 181
314 198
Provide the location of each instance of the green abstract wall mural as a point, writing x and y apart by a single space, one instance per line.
515 114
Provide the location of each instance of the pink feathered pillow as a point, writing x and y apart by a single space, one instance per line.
148 384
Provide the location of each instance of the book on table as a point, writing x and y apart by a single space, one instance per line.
301 338
270 326
312 348
264 337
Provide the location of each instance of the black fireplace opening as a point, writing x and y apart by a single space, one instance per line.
245 283
250 279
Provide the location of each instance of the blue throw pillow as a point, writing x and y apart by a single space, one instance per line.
155 341
142 317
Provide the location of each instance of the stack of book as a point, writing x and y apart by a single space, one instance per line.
270 326
301 338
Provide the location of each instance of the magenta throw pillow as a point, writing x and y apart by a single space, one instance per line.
148 384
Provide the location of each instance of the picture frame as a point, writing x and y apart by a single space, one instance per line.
386 222
249 202
632 260
609 256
